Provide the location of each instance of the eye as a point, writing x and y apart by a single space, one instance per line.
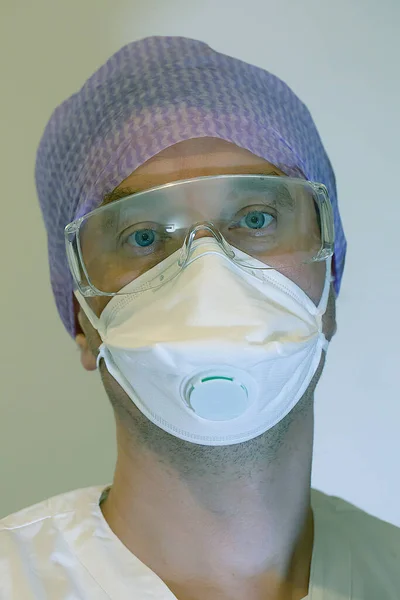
142 238
256 219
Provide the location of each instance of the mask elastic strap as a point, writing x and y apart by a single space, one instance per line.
321 309
323 303
101 354
94 320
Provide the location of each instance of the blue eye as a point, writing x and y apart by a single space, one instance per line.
256 219
143 237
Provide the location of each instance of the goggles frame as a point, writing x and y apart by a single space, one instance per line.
74 248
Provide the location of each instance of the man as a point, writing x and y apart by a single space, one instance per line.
198 272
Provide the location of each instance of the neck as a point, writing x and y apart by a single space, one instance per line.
231 521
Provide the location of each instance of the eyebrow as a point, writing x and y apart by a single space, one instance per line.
120 193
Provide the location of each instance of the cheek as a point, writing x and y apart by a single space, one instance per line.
310 278
98 303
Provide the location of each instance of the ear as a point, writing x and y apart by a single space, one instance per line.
88 359
86 338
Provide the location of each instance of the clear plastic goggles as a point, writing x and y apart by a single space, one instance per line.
282 222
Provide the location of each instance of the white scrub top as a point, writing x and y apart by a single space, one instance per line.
63 549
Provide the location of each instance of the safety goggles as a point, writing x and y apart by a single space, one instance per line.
282 222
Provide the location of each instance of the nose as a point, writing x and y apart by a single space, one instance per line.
202 230
202 233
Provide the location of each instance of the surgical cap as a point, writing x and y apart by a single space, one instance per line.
149 95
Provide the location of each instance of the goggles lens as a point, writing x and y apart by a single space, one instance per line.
280 221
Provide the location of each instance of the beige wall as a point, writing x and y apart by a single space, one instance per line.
56 425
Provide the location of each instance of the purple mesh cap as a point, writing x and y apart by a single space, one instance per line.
148 96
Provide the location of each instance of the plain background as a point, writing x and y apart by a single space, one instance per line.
342 58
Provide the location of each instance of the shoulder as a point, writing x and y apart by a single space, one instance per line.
48 509
38 547
365 532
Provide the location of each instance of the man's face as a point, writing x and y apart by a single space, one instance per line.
195 158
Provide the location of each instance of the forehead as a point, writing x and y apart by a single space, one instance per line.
197 157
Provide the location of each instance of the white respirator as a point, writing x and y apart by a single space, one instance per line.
220 353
